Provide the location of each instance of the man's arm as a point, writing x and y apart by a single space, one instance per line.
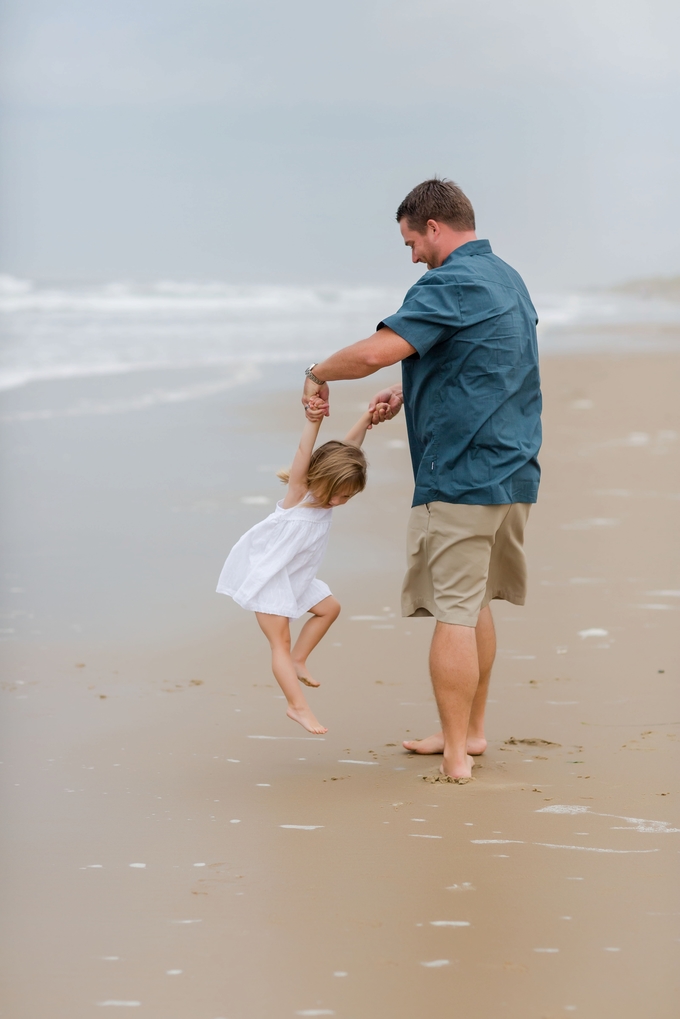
365 357
356 362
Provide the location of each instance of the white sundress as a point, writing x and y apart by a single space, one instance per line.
272 568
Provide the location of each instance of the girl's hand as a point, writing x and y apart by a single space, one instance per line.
316 409
378 413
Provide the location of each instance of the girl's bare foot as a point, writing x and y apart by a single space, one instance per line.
306 719
435 745
303 675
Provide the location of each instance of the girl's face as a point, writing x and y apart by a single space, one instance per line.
339 499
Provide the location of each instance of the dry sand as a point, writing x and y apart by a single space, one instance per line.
172 843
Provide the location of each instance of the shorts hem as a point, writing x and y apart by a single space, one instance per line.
458 617
513 597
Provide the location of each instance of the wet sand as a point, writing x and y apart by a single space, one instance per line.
172 843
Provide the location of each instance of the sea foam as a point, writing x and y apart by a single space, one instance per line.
62 332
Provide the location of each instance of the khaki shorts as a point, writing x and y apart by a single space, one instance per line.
460 557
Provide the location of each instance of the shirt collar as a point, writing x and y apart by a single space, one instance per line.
471 248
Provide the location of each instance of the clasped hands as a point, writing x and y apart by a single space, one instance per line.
383 406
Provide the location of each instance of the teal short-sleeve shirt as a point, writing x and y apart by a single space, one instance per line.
472 392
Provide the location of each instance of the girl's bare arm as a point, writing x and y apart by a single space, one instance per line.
357 433
297 482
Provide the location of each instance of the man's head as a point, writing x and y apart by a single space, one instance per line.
435 218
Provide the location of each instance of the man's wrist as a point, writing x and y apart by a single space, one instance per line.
309 372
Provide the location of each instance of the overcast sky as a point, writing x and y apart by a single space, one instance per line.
272 140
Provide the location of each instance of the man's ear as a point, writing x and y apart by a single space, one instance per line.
433 228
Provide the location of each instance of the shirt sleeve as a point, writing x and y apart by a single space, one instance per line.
429 314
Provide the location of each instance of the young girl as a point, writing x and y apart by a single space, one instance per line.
272 568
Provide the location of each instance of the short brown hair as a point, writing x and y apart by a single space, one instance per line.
438 199
336 468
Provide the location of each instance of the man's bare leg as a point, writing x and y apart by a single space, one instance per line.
485 637
455 676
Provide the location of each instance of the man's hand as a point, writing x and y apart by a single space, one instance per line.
386 404
320 395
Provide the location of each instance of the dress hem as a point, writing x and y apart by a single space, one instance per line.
271 611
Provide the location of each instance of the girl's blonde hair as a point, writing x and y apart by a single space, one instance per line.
336 468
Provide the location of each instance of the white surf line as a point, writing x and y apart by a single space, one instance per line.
497 842
551 845
120 1004
356 762
628 725
593 849
186 921
436 963
419 836
320 739
449 923
316 1011
303 827
152 399
636 823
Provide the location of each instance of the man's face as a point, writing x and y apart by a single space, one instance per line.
424 247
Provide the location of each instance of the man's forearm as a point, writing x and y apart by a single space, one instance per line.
349 363
365 357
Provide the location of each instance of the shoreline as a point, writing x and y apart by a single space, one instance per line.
555 341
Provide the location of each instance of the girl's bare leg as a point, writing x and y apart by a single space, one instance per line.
277 631
324 614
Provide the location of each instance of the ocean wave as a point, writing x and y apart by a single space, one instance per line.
66 332
16 379
18 295
603 308
122 297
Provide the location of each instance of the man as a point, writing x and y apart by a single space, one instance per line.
466 337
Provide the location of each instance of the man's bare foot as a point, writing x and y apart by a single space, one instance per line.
458 772
476 745
306 719
303 675
430 745
435 745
